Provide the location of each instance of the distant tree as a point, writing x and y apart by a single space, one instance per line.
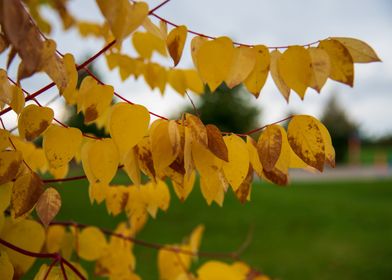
228 109
340 127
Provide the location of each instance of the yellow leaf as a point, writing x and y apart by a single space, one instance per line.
131 166
243 191
97 192
48 205
4 139
61 144
56 272
116 199
193 81
188 162
5 88
157 196
342 65
269 146
177 80
89 29
197 129
359 50
54 238
25 193
6 268
294 68
93 99
160 31
18 100
144 157
123 16
196 43
329 150
59 172
146 43
216 270
34 120
162 148
306 140
237 167
175 42
216 144
91 243
136 207
26 234
5 196
279 173
256 79
320 67
275 74
128 124
69 93
254 156
155 76
10 162
100 159
208 165
214 61
243 62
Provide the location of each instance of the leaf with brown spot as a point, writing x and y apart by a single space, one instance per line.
342 65
269 146
359 50
34 120
197 129
216 144
10 162
25 193
306 140
320 66
48 206
175 42
243 192
144 157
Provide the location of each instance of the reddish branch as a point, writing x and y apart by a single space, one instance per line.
54 256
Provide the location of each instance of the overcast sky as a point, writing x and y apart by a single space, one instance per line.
278 22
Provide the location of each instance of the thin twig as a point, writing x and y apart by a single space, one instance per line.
193 105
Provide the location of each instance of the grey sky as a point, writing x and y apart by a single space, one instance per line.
278 22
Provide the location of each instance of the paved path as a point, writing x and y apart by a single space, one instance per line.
342 173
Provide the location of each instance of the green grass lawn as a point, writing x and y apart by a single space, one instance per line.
304 231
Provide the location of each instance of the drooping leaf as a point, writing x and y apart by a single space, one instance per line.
123 16
193 81
196 43
157 197
197 129
306 140
48 205
128 124
69 92
216 144
177 80
275 74
329 149
91 243
100 160
214 270
146 43
320 66
256 79
116 198
359 50
131 166
214 61
18 100
237 167
33 121
6 268
175 42
25 193
254 156
5 196
269 146
243 62
294 68
54 238
243 191
61 144
144 157
342 65
155 76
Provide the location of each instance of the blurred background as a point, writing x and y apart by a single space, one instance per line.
334 225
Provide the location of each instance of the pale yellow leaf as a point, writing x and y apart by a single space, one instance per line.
10 163
359 50
275 74
196 43
18 100
320 68
131 166
177 80
243 62
146 43
193 81
91 243
155 76
6 268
